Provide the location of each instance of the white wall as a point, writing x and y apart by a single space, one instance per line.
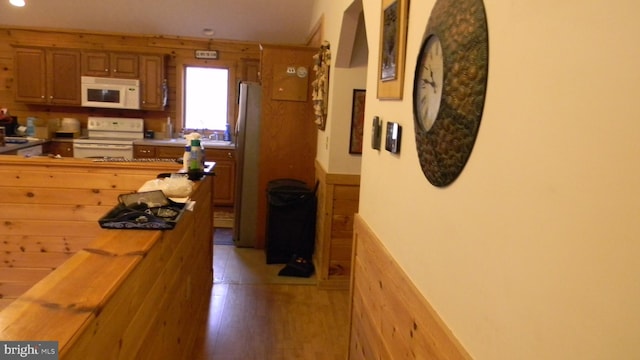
534 251
333 142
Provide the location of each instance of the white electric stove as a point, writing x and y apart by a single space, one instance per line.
109 137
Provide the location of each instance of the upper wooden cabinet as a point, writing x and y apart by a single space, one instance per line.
153 82
47 76
250 70
110 64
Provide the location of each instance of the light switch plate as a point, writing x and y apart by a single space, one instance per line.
376 133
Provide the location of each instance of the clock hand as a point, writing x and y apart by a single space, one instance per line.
430 82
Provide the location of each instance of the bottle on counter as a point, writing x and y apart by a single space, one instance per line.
195 160
169 129
31 127
227 133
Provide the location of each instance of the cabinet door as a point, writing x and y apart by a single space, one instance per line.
64 149
125 66
144 151
63 77
95 64
152 82
250 70
106 64
169 152
30 75
224 181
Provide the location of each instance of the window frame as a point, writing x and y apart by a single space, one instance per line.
180 91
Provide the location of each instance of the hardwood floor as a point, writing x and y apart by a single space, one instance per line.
254 314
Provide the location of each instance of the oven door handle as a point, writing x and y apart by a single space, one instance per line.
103 146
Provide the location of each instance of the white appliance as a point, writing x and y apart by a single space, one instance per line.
247 136
104 92
109 138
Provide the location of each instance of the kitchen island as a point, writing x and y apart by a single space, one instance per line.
118 294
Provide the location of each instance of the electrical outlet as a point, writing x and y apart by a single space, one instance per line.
326 143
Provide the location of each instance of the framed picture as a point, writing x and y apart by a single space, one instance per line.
393 41
357 121
394 135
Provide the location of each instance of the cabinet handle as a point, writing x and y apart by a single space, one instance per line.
229 155
115 70
106 70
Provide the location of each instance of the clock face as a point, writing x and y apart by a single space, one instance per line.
429 82
301 72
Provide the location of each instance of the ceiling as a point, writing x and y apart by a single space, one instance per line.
265 21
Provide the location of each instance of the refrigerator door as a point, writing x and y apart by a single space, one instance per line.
247 156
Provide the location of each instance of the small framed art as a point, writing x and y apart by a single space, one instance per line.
394 135
357 121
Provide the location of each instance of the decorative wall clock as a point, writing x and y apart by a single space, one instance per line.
449 87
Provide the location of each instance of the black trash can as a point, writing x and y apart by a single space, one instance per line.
291 221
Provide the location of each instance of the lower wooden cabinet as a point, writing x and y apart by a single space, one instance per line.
62 148
224 181
144 151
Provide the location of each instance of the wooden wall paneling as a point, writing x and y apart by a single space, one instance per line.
288 135
148 286
390 317
338 201
43 196
137 302
323 226
53 214
44 243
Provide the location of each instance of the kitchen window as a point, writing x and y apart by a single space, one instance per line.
206 104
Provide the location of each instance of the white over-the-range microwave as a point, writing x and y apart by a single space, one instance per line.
105 92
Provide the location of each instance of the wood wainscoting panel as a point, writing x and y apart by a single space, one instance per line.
53 214
390 319
338 200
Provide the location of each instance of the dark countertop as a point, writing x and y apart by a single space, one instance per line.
14 147
208 144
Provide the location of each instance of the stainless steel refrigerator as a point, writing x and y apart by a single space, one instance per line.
247 139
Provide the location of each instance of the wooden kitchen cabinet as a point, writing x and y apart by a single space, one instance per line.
250 70
110 64
47 76
144 152
62 148
159 152
169 152
153 82
225 179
